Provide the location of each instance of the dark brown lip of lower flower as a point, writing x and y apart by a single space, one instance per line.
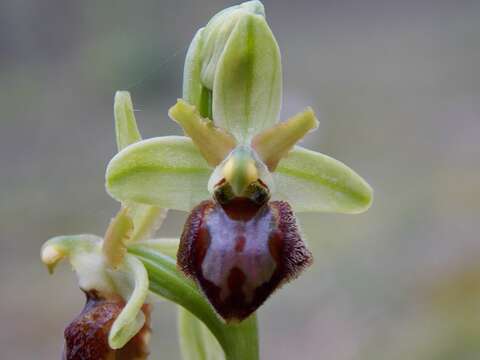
279 243
86 337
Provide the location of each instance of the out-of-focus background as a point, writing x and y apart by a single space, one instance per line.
397 88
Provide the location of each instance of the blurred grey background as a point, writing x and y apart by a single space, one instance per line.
397 88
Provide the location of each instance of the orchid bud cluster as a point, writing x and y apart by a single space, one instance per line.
238 172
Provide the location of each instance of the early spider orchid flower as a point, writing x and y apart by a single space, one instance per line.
237 171
115 322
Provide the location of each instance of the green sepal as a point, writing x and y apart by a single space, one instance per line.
167 172
313 182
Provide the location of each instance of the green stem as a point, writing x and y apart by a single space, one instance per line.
239 341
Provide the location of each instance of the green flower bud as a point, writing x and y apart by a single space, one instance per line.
233 67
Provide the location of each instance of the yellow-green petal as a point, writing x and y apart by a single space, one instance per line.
274 143
116 238
213 142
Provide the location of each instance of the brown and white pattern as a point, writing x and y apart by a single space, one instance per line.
240 252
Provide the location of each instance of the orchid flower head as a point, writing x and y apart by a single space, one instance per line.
237 170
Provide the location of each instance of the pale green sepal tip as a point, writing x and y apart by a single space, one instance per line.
126 129
275 142
131 319
167 172
313 182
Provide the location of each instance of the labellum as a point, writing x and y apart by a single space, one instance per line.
240 251
86 338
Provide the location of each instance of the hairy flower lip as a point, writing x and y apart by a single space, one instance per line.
239 257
